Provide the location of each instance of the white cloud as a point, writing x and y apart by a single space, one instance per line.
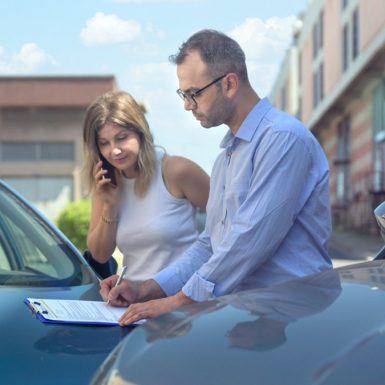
159 73
264 43
154 83
31 58
103 29
152 29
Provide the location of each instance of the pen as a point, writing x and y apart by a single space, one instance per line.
121 275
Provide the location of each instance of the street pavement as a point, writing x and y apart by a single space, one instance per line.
346 247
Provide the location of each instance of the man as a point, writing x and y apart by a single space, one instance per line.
268 215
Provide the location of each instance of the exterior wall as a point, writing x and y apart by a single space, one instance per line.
362 138
52 91
285 92
22 125
328 138
49 110
332 47
348 98
307 79
359 210
372 19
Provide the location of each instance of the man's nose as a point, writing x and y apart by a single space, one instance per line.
189 104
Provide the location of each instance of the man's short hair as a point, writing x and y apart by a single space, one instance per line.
219 52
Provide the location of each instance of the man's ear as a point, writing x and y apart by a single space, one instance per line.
231 84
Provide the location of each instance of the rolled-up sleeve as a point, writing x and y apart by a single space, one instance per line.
198 288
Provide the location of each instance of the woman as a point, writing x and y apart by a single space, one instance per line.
150 213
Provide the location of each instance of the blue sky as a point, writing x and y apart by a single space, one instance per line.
132 40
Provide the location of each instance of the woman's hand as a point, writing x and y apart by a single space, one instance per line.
104 190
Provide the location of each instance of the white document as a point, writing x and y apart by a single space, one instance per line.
75 311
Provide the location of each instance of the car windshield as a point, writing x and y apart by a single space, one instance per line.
31 253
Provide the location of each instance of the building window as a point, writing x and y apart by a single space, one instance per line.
350 40
283 98
318 31
37 152
315 41
18 152
57 151
355 34
300 68
345 48
321 82
321 30
315 90
379 138
299 111
342 162
318 85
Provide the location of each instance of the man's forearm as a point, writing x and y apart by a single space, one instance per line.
180 299
148 290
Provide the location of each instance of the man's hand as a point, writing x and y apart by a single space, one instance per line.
153 308
122 295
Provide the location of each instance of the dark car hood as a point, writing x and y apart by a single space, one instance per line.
33 352
324 329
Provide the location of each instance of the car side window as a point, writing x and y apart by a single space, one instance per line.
4 264
32 257
31 252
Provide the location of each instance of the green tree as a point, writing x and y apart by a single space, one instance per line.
74 221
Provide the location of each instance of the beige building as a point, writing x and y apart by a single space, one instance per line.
333 79
41 120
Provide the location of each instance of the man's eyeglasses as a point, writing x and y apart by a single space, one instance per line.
190 96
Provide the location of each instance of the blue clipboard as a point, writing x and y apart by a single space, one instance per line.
74 311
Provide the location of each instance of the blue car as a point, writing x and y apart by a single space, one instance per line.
38 261
324 329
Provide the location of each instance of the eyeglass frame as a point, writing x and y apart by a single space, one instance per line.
191 96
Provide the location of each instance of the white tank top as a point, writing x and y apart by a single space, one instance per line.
155 230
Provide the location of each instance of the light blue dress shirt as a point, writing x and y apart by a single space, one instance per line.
268 213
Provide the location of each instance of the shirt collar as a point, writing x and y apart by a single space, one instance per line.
250 124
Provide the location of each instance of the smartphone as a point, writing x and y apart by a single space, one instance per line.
110 170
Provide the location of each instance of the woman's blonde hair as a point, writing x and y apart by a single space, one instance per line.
120 108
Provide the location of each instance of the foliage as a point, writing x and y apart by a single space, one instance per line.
74 221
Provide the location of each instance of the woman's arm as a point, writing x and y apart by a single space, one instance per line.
101 239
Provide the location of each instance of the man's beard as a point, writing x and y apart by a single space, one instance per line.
217 115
